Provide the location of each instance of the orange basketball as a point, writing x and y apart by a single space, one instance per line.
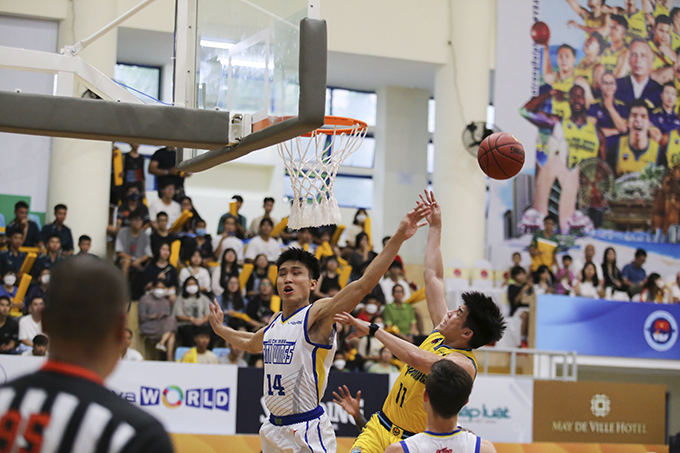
500 156
540 33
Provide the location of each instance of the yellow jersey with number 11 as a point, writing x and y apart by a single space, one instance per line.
404 405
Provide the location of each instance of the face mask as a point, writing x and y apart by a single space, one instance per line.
361 217
659 284
159 292
371 309
200 232
10 280
380 325
339 364
45 279
133 196
192 289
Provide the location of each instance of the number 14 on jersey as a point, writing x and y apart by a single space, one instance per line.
276 385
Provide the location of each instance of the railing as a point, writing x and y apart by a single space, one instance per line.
551 365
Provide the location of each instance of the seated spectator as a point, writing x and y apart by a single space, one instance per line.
9 328
131 203
49 259
654 290
227 269
129 354
156 321
31 324
198 241
165 204
372 307
328 279
200 353
195 270
610 272
161 235
369 346
588 284
162 166
384 365
361 255
633 275
58 227
259 307
39 289
40 343
235 357
588 257
399 314
241 226
304 241
521 295
133 248
543 280
84 244
233 302
263 244
516 261
675 290
394 276
564 276
228 240
30 233
188 205
339 362
192 309
260 272
353 231
268 205
12 259
9 290
159 269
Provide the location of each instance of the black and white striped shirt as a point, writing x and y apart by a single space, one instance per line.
65 408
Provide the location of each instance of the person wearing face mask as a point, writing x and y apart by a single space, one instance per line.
355 228
161 269
9 290
132 202
155 319
371 308
12 258
187 204
191 310
199 240
339 362
654 290
39 289
195 270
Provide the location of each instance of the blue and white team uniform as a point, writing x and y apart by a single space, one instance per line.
458 441
295 379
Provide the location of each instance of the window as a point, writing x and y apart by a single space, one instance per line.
142 81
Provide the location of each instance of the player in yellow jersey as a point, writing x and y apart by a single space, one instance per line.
671 158
562 80
476 323
594 19
675 30
634 151
590 67
637 18
614 57
664 56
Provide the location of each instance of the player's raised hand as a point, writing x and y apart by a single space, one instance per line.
435 216
351 405
361 328
410 223
216 315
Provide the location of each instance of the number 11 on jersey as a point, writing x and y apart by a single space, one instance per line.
277 385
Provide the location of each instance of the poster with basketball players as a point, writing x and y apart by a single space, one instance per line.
591 90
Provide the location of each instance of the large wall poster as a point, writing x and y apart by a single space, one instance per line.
591 90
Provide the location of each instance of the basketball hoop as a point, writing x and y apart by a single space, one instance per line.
313 165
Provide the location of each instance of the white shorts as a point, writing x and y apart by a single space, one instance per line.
316 436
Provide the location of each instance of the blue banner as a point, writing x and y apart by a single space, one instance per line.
607 328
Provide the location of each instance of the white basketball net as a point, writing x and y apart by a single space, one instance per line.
312 164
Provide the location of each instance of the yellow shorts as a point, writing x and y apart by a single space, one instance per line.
374 438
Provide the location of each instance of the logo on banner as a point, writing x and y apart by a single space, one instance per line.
599 405
661 330
172 397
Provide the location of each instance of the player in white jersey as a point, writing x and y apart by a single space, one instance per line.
299 344
447 389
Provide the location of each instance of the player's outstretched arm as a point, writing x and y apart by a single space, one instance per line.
405 351
350 296
435 293
248 341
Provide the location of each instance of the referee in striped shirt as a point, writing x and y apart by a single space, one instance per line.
64 407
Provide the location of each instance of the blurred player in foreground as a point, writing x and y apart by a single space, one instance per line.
447 389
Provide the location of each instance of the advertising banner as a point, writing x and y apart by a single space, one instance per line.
198 399
252 410
599 412
607 328
500 409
